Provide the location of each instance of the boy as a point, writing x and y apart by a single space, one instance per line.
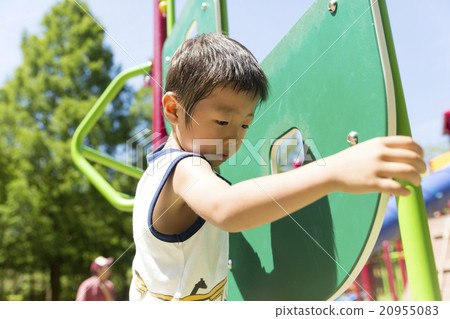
184 210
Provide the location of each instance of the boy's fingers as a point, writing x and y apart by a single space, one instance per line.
393 187
401 171
406 156
403 142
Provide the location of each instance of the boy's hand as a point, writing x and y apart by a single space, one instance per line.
371 165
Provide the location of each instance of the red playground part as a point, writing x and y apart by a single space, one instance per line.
446 128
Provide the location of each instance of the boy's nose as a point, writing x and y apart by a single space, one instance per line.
233 136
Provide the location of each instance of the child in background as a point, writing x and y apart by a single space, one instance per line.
184 209
98 287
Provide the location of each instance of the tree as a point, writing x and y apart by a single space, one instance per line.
51 218
141 111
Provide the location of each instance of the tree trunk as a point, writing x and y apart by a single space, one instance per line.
1 288
31 292
55 284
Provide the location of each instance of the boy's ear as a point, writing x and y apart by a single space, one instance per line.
170 107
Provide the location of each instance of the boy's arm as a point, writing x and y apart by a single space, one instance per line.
366 167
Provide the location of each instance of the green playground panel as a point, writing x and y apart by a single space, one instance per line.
327 80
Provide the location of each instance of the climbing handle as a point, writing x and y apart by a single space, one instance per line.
81 154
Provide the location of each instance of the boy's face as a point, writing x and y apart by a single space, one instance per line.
218 124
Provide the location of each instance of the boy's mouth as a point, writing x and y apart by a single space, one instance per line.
222 157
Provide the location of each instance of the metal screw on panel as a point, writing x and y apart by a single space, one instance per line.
230 264
332 6
167 59
204 5
147 80
352 138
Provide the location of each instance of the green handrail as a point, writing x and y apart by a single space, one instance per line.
111 162
412 214
224 16
80 154
170 15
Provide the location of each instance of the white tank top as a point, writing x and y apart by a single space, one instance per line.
191 265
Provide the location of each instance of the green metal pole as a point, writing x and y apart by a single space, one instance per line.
170 18
111 162
224 16
412 215
119 200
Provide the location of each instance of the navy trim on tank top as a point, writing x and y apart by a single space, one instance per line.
191 230
199 222
160 152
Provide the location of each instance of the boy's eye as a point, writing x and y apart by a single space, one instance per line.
245 126
222 123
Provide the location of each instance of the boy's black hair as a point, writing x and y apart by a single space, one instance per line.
208 61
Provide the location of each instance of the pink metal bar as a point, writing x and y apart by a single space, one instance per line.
365 276
159 36
357 290
387 261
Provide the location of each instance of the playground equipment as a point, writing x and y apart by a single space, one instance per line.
446 126
439 162
334 78
382 278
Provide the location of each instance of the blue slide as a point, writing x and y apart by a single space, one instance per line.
436 194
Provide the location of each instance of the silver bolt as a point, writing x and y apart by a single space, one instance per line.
204 5
167 59
147 79
332 6
230 264
352 138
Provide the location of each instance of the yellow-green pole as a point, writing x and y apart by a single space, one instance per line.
412 215
224 16
170 18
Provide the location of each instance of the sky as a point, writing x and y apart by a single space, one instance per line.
420 31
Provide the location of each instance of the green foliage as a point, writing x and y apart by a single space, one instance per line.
141 112
52 221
